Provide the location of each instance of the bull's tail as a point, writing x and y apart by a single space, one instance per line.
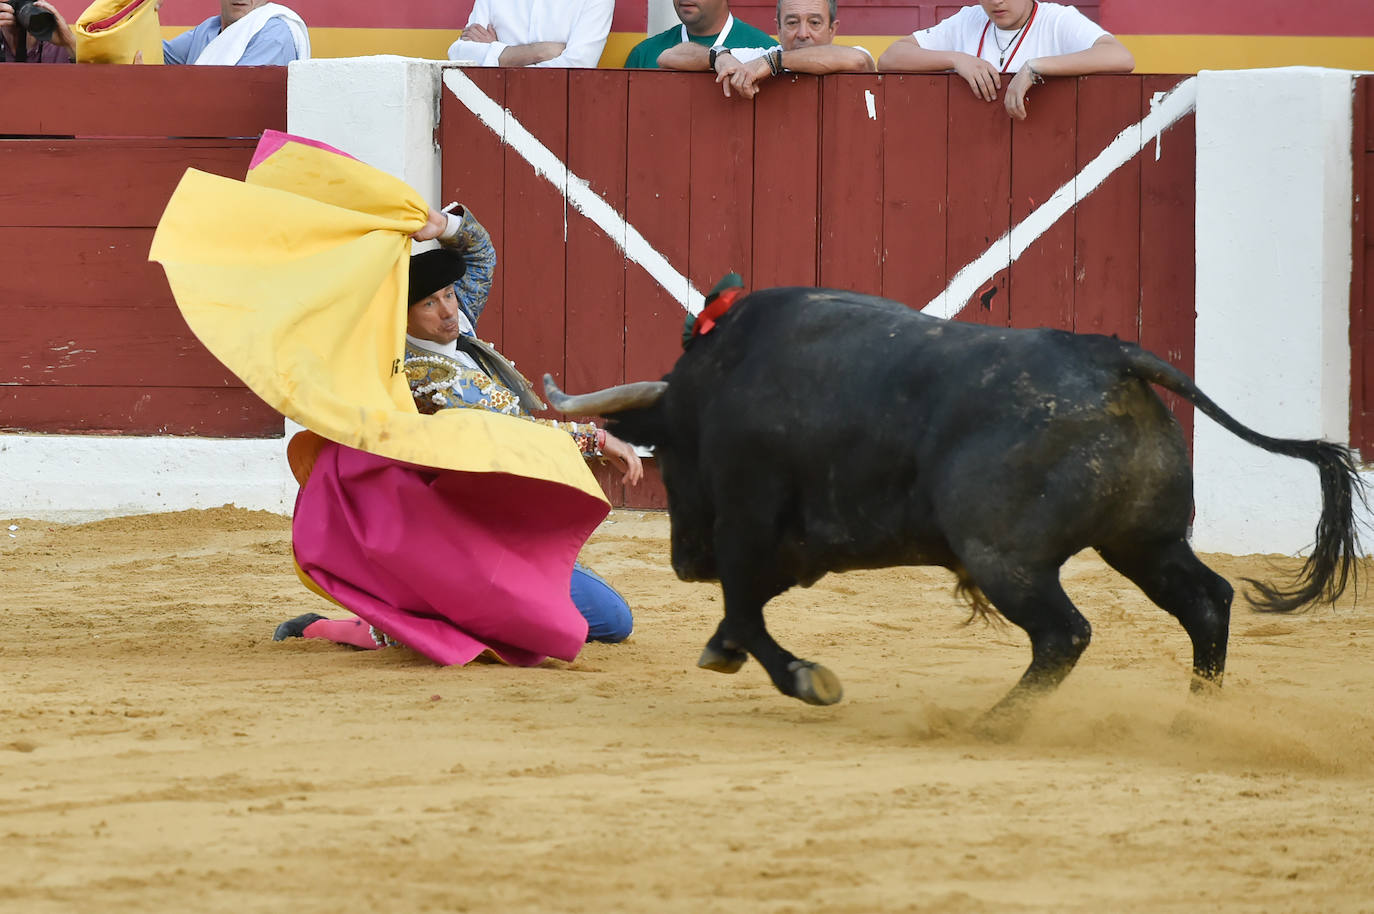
1334 561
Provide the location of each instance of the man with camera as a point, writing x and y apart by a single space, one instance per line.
33 31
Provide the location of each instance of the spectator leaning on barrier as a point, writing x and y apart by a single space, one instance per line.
57 48
806 35
1024 37
535 33
708 23
246 33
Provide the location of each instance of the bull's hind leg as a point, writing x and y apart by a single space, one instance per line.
1173 577
1031 598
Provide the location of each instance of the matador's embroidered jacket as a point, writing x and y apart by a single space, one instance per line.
470 373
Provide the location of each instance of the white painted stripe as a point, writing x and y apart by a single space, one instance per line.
1165 111
1000 254
575 190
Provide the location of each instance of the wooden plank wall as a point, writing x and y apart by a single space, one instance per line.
93 341
1362 275
803 187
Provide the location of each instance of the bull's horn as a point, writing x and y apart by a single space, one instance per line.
604 402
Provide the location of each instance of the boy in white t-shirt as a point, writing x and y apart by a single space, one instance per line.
1024 37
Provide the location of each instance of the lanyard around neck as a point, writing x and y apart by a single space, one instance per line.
720 39
1004 63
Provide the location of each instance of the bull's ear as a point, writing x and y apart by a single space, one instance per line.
731 280
721 296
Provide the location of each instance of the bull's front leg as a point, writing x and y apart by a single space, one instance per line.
742 632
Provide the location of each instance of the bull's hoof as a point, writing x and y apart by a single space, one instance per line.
1003 723
1205 685
814 684
722 660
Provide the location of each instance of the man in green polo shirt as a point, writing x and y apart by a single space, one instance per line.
708 23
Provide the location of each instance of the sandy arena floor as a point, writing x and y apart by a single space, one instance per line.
159 753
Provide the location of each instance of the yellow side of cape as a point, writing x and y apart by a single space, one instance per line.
138 31
296 281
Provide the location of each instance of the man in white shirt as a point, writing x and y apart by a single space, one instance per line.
806 35
246 33
1023 37
535 33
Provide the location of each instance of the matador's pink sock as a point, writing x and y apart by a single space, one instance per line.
343 631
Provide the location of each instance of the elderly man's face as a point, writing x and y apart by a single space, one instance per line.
804 23
231 11
1007 14
702 17
435 317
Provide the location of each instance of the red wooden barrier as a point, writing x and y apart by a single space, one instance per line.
787 157
1362 275
1168 187
851 181
1106 246
93 341
1041 288
914 181
806 186
802 186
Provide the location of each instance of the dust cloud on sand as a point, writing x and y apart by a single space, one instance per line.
159 753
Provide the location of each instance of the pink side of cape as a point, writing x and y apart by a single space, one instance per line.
447 563
272 140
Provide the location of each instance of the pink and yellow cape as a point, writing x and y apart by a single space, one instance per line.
452 533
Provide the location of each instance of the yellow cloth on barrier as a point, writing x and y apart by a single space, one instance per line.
113 31
296 280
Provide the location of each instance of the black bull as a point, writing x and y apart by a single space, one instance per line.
816 430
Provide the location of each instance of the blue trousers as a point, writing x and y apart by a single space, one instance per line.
607 613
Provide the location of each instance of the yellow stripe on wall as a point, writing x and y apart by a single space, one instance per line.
618 45
1190 53
429 43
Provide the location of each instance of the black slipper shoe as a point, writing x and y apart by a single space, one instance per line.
295 628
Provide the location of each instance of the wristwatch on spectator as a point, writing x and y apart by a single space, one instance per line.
714 53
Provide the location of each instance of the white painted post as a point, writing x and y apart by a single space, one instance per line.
1273 285
382 110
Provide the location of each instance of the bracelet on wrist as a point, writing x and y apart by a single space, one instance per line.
775 60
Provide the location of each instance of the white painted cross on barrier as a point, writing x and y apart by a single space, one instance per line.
1165 111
